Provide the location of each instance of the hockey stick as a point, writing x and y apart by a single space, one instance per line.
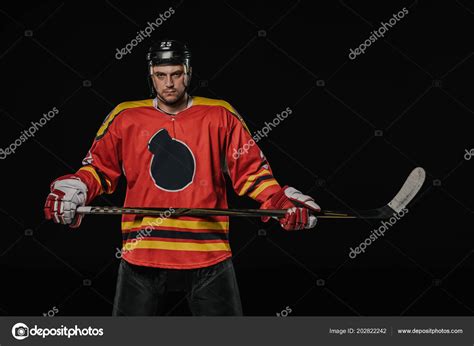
408 191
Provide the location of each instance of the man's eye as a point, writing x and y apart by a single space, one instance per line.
177 75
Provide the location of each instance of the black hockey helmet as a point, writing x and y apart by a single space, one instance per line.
169 52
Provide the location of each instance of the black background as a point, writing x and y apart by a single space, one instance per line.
415 86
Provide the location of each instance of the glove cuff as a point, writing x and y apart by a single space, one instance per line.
280 200
277 201
58 181
70 181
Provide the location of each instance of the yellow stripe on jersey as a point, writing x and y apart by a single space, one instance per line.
94 173
251 180
204 101
169 245
189 224
267 183
121 107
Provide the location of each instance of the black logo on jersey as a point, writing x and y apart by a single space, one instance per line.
172 166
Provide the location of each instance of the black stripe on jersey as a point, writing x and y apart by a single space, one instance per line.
103 180
145 233
263 163
258 181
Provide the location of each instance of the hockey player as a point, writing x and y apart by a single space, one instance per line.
173 150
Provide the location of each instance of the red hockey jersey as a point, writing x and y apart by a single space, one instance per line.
178 162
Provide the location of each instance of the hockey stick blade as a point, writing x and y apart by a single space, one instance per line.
410 188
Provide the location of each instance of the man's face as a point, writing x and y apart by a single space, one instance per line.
169 82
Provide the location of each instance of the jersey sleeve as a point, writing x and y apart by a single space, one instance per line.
248 168
101 168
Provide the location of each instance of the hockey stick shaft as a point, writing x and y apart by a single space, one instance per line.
203 212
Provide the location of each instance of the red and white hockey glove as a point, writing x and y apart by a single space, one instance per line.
67 193
298 209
